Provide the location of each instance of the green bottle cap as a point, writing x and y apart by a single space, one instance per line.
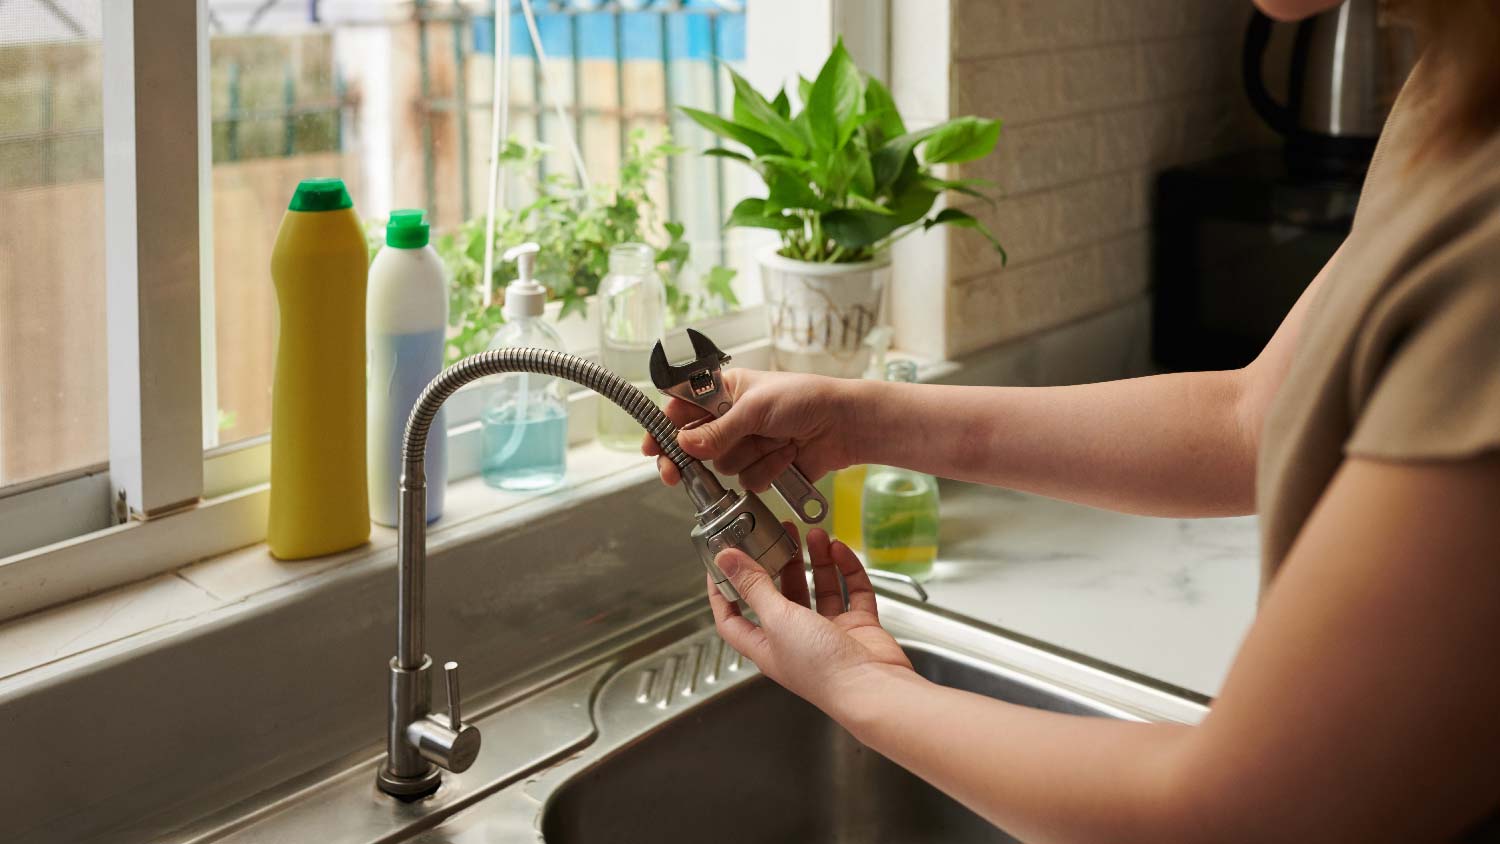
406 230
320 195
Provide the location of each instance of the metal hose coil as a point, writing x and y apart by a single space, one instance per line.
540 362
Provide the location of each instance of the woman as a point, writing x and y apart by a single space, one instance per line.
1365 702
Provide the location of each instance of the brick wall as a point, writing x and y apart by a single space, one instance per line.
1097 96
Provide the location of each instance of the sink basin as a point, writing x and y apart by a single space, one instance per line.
669 735
757 764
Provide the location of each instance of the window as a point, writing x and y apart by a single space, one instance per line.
52 334
126 401
395 98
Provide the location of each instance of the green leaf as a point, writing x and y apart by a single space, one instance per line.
720 152
751 111
753 140
789 191
961 139
968 187
835 101
573 304
719 282
896 157
962 219
858 202
804 90
781 104
909 199
751 213
800 166
882 107
856 229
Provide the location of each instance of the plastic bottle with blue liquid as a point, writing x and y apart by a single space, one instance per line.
525 418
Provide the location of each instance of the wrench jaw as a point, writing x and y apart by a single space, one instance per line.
699 381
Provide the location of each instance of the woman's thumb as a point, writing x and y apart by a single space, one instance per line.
750 580
712 437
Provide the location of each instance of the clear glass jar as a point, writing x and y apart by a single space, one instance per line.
632 317
899 511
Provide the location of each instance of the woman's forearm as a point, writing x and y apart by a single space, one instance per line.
1166 445
1043 777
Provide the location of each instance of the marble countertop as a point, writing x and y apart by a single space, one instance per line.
1168 598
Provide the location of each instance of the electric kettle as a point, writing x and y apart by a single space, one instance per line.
1347 64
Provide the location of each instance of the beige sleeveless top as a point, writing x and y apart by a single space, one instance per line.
1399 356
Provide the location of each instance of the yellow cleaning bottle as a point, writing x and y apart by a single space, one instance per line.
319 497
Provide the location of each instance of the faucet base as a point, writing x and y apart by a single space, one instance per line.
408 789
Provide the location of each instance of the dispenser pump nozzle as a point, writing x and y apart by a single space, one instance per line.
524 297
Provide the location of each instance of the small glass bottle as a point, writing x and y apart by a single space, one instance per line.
525 419
632 317
899 515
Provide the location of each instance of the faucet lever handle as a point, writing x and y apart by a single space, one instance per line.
450 673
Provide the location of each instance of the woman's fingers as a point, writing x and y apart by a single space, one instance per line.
683 412
856 579
668 471
757 477
744 453
828 598
793 576
753 583
734 628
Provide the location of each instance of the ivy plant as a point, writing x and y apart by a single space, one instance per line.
575 229
844 177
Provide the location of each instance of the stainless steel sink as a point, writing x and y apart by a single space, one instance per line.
758 764
672 736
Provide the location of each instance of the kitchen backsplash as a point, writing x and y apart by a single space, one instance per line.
1097 97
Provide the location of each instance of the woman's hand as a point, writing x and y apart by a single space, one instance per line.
818 655
777 418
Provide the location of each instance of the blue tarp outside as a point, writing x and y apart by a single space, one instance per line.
640 34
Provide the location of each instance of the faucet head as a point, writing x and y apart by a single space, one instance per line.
746 523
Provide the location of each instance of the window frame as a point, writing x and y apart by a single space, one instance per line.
163 499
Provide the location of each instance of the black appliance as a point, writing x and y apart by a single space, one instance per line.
1236 241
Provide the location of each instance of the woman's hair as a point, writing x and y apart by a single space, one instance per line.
1461 45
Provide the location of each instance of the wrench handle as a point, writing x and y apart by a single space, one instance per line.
799 493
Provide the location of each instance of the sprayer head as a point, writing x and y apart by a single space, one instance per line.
742 521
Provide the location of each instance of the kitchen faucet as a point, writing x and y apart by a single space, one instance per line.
421 744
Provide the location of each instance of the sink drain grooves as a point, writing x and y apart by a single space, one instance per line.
715 655
643 686
695 664
664 694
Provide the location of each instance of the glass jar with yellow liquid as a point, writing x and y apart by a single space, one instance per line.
899 509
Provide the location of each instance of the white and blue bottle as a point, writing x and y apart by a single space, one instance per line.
406 315
525 417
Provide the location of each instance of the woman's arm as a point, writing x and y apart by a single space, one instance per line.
1183 444
1361 707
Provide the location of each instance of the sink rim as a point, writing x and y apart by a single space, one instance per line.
592 678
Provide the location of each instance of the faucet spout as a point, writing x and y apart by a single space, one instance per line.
420 744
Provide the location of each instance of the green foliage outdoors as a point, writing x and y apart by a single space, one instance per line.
844 177
575 229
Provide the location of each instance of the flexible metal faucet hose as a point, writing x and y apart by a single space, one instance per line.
540 362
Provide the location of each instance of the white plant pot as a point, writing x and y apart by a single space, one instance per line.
820 314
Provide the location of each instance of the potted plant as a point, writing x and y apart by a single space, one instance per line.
844 180
576 230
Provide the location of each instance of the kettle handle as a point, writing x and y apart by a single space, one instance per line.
1257 38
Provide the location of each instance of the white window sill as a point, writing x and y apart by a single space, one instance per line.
36 645
51 637
233 511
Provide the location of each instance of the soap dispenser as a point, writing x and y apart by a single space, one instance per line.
525 418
